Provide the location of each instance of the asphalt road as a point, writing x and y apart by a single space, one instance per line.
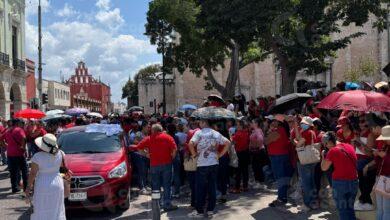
250 205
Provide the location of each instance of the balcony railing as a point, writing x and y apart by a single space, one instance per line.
19 64
4 59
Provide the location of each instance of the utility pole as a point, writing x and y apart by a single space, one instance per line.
40 54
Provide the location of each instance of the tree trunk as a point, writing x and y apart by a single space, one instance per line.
232 78
288 77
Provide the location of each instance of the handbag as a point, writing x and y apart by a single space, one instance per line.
233 156
66 181
309 154
382 185
190 163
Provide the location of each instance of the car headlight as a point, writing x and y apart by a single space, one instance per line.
119 171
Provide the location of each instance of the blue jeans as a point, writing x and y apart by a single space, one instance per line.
162 177
344 194
382 207
176 174
206 184
307 174
140 165
281 167
223 174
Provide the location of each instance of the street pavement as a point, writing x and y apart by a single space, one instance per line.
245 206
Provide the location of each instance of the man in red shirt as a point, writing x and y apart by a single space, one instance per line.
345 177
162 149
15 137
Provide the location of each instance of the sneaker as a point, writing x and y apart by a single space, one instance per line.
222 199
15 191
209 214
358 206
277 203
259 186
170 208
195 214
367 207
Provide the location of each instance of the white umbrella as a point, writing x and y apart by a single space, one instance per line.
55 112
95 114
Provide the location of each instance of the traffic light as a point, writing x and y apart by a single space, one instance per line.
44 99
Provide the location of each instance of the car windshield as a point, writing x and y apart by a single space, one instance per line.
89 143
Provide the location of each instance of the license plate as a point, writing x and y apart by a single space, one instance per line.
79 196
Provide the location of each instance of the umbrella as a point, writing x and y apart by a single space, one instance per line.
187 107
136 108
380 84
95 114
356 100
76 111
55 112
30 114
351 86
213 113
55 117
290 101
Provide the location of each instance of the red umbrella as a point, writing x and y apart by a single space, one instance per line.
356 100
29 114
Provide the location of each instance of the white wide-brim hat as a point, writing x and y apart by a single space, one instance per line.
385 136
47 143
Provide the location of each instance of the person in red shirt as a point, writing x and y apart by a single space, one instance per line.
382 160
345 134
343 158
15 138
3 146
241 144
305 136
162 149
34 130
278 143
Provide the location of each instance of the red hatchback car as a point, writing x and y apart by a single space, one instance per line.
101 169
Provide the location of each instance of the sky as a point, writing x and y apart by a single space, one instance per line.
108 35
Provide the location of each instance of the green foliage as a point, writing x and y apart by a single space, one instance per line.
366 68
130 89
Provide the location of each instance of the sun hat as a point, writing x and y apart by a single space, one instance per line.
47 143
307 120
385 136
343 121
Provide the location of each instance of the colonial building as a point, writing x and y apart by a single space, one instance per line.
87 92
31 87
12 56
119 108
58 95
264 79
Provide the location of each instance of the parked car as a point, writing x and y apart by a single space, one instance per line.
101 169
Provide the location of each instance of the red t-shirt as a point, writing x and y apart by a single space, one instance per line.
309 136
280 146
160 146
344 162
14 138
342 139
39 133
241 140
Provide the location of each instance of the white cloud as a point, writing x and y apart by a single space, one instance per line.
111 56
103 4
66 11
32 7
110 18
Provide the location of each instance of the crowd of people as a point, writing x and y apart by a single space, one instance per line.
218 157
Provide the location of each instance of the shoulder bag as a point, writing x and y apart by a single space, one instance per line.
65 180
309 154
233 158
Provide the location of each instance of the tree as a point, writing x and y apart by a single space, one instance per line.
197 49
297 32
130 89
